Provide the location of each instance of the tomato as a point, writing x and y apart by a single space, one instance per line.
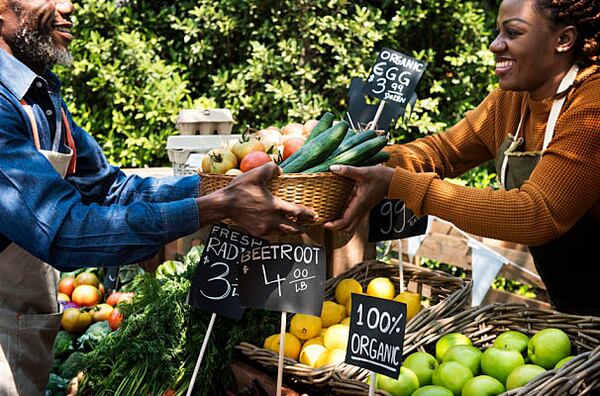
254 160
86 296
87 278
241 149
218 161
115 319
63 297
102 290
169 392
233 172
66 285
308 127
291 146
101 312
293 129
269 138
117 297
75 321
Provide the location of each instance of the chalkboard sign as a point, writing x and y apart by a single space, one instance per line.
390 219
215 284
283 277
394 77
376 337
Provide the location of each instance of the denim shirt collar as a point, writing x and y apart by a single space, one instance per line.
18 78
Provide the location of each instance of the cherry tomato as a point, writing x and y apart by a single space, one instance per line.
66 285
75 321
115 319
253 160
86 296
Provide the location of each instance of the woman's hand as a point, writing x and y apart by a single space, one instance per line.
371 186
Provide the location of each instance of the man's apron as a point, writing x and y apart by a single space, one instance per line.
29 310
566 263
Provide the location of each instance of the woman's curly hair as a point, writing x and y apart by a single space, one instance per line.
585 16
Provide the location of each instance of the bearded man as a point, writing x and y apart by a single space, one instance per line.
63 206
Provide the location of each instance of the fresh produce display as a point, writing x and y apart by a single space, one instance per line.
299 148
461 369
318 341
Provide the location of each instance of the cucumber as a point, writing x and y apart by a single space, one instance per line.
379 158
353 140
318 149
324 124
354 156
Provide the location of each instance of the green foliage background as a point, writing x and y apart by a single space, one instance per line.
138 62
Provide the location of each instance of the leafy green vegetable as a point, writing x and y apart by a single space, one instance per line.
94 334
63 344
56 385
72 365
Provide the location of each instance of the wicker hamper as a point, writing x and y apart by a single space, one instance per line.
579 376
325 193
447 295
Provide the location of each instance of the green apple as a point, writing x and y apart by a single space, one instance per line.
562 362
451 375
548 346
498 363
483 385
522 375
449 340
432 390
512 340
422 364
405 385
467 355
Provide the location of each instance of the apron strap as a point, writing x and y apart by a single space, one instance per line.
36 138
566 82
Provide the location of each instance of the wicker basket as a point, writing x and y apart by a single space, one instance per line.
326 193
447 295
482 324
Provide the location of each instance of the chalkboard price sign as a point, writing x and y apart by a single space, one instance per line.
283 277
394 77
215 284
376 337
390 219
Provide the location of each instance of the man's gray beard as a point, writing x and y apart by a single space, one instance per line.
39 48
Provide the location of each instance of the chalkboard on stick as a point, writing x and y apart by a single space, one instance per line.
394 77
215 284
390 219
376 339
283 277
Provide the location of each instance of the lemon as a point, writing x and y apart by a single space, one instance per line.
291 345
346 321
269 341
348 305
337 336
412 301
309 355
305 326
345 288
331 356
316 340
381 287
332 313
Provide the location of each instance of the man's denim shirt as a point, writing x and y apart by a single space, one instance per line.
95 217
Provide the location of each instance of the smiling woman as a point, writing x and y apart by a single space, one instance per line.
541 126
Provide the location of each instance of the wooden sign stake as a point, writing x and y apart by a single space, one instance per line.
373 124
400 266
199 361
281 350
372 383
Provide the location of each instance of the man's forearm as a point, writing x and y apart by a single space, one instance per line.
213 207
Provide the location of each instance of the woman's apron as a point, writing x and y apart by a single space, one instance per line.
29 310
566 263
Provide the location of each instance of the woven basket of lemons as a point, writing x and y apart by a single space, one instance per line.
315 346
497 349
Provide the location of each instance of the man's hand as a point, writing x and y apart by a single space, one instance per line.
248 202
371 186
